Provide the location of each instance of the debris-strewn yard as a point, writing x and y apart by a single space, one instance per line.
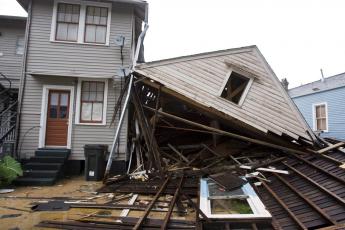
20 202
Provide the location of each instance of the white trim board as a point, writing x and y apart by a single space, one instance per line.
105 102
43 118
82 16
314 115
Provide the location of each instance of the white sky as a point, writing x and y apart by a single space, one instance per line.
296 37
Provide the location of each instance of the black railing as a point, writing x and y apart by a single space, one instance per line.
8 114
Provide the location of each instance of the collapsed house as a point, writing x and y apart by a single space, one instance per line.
218 143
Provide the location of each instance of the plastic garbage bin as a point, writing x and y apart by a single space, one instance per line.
95 161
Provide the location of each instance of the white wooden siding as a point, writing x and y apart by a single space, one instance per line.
200 78
10 62
81 134
80 60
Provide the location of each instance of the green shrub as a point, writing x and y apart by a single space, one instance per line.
10 169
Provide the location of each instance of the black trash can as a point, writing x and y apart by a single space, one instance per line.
95 161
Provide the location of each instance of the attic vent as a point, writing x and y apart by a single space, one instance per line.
235 87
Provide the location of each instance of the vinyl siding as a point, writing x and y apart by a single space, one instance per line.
54 63
10 62
81 134
201 78
336 110
80 60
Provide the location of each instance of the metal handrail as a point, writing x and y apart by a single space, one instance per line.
7 79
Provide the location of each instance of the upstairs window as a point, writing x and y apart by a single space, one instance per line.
320 117
20 45
96 24
235 88
67 22
85 22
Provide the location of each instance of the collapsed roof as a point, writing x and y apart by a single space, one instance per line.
258 102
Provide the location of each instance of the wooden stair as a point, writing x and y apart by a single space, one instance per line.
45 168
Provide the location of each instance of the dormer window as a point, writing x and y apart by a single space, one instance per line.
85 22
235 87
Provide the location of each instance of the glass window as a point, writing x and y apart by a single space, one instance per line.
92 97
235 87
20 45
67 22
321 117
96 24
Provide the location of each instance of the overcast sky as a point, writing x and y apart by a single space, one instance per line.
296 37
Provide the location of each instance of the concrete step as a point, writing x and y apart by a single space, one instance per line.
42 166
47 159
41 173
53 152
31 181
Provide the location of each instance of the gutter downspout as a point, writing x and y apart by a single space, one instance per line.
123 112
23 78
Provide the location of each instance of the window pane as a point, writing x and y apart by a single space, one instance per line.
75 16
61 31
53 111
93 86
85 86
54 99
64 99
72 32
85 96
63 112
97 15
100 87
61 12
90 33
92 96
100 96
86 109
323 111
97 111
68 15
101 34
89 14
20 45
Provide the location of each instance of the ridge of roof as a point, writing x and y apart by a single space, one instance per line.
194 56
331 82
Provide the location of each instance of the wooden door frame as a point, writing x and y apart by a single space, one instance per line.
43 119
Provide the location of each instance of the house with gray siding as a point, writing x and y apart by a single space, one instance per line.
12 31
75 53
322 105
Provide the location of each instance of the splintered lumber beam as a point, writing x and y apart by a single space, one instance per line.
149 207
329 148
172 204
178 153
225 133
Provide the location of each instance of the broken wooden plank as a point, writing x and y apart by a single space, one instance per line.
331 147
178 153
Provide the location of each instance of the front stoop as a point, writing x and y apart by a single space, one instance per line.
45 168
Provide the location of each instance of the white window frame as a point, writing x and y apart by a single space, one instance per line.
82 19
43 118
256 205
246 90
78 102
314 116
